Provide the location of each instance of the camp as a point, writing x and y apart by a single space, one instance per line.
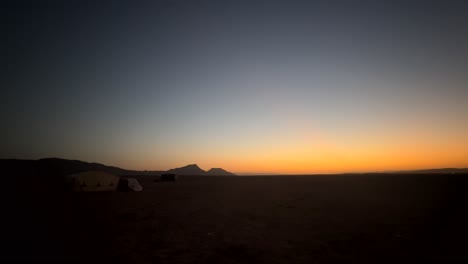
93 181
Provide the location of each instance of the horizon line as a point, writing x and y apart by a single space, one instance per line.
264 173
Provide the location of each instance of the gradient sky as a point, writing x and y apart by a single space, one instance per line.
249 86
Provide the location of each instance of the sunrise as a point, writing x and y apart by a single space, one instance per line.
206 131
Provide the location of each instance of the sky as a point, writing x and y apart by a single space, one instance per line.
250 86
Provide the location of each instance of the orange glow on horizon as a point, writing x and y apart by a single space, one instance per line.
305 149
304 156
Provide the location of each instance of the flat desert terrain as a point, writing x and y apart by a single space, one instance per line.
251 219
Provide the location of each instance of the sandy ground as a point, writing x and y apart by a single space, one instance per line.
261 219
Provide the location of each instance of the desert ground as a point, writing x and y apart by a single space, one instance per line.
379 218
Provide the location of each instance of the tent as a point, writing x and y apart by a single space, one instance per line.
93 181
134 185
129 185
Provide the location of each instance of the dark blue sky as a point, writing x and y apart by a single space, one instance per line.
246 85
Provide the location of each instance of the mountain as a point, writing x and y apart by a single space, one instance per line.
191 169
64 166
56 167
61 167
219 172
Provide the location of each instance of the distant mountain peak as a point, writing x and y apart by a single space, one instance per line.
193 169
58 166
219 172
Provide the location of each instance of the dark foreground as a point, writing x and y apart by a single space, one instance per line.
287 219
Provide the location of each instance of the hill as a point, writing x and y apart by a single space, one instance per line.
440 171
65 167
61 167
191 169
53 167
219 172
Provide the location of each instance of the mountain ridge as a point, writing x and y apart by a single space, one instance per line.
191 169
219 172
194 169
59 166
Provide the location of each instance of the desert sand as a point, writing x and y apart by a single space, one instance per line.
254 219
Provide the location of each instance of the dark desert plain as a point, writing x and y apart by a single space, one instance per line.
346 218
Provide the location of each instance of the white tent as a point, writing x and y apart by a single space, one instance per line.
93 181
134 185
129 185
